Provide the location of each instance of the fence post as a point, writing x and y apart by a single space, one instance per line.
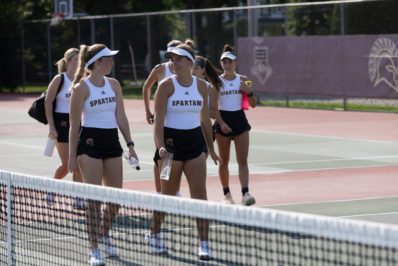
92 30
49 52
78 31
112 42
342 33
23 56
235 30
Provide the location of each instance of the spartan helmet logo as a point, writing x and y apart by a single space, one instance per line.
383 63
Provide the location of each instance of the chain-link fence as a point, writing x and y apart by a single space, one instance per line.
142 38
147 34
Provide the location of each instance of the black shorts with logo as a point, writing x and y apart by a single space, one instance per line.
99 143
61 123
187 144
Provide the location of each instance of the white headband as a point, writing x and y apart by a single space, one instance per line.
102 53
180 52
169 49
228 55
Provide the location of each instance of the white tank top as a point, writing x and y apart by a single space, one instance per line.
184 106
99 109
230 97
63 97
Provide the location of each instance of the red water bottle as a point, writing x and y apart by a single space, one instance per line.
245 98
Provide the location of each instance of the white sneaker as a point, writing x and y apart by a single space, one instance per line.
50 198
228 198
79 204
248 199
156 243
108 247
95 258
204 251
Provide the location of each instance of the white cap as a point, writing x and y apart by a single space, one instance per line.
180 52
102 53
228 55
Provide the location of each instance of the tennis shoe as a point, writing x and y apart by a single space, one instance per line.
156 243
79 204
248 199
108 247
95 258
228 198
204 251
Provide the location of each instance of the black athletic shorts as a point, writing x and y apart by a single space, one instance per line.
99 143
236 120
187 144
61 123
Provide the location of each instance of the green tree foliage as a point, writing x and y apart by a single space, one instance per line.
372 18
310 20
210 30
13 13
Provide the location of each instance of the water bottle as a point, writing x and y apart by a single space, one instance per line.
49 148
166 165
132 161
245 98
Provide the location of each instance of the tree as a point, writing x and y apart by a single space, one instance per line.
372 18
13 13
310 20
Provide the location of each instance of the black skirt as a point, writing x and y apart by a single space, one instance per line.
99 143
186 144
236 120
61 123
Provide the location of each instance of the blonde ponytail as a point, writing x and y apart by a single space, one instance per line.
62 64
82 62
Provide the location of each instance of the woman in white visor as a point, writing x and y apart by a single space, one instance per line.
230 108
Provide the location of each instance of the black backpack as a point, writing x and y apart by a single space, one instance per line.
37 110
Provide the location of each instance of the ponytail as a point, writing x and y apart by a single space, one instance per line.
228 48
188 46
82 62
61 65
213 75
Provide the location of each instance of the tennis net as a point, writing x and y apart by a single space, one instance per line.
36 231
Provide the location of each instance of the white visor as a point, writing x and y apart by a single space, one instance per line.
169 49
228 55
102 53
180 52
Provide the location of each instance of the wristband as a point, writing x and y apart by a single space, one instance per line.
130 143
250 94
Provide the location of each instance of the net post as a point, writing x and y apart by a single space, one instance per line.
10 259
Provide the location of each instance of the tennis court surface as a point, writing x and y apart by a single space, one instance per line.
341 165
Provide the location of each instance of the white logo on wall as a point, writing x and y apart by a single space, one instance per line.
383 63
261 69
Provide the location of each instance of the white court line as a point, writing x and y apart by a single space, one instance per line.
23 145
327 201
368 214
321 136
328 160
314 169
279 171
